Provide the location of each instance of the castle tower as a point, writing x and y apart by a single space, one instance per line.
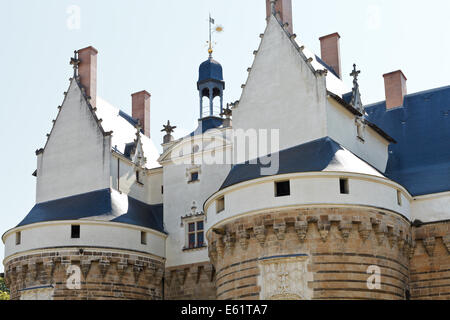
92 233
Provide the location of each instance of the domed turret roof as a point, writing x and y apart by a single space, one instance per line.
210 70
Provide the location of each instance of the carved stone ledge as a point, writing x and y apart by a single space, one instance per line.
229 240
280 230
346 228
446 240
324 227
104 265
243 239
429 244
301 227
260 234
365 228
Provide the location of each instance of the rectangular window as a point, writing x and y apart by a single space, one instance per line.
138 177
18 238
220 204
162 189
75 232
343 184
282 189
143 237
399 197
196 235
194 176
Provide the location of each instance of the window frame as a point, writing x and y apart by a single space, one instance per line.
18 238
143 237
196 231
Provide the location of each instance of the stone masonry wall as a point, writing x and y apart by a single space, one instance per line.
430 264
322 253
190 282
105 274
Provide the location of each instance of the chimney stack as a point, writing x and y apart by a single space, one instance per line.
283 8
395 88
87 71
141 109
331 51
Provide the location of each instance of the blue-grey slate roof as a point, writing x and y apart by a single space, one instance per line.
206 124
210 70
315 156
100 206
420 161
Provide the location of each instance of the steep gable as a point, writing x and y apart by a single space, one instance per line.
76 157
283 91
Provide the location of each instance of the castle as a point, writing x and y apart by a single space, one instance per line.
348 193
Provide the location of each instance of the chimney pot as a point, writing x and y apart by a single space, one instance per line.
331 51
284 10
141 109
87 71
395 88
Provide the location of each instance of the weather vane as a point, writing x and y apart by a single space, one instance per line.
218 28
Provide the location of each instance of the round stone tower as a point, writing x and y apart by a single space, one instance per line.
316 231
63 250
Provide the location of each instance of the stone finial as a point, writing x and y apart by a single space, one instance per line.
168 129
227 112
356 95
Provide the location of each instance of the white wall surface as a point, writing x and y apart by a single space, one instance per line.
431 208
282 93
342 128
92 234
307 189
179 195
76 158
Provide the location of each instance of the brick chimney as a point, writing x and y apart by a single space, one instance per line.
141 109
283 8
87 71
331 51
395 88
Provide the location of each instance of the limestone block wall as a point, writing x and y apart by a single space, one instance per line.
104 275
430 263
190 282
258 257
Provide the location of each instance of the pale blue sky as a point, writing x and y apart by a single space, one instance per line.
158 46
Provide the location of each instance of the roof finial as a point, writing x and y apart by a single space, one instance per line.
168 129
356 96
75 62
218 28
272 5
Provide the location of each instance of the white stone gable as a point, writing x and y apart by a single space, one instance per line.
76 158
283 92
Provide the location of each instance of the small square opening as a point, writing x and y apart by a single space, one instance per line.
143 237
282 189
18 238
194 176
220 204
343 185
399 197
75 232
